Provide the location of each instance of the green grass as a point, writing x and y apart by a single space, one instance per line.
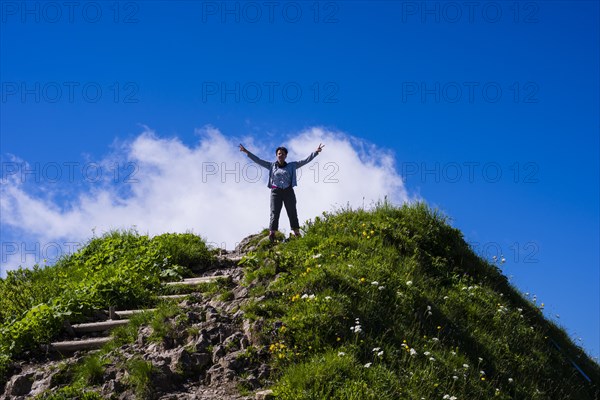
404 282
139 378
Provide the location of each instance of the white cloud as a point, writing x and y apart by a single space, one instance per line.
211 189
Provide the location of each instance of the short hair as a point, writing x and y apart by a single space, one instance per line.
282 149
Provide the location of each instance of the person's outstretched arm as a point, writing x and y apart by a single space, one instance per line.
310 158
257 160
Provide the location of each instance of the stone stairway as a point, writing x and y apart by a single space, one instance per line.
100 330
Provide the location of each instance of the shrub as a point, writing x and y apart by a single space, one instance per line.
186 249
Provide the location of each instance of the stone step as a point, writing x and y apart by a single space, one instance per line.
75 345
98 326
128 313
197 281
173 296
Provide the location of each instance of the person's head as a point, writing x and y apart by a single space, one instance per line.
281 153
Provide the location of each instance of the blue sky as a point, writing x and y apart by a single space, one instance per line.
120 114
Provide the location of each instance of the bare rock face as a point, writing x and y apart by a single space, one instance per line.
210 356
20 385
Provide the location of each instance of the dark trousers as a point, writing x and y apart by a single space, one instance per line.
280 197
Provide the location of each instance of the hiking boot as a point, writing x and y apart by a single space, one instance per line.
271 237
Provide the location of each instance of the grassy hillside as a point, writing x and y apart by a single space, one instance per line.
122 269
390 303
393 304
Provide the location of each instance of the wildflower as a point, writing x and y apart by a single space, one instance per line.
409 283
295 297
304 296
413 352
380 353
317 255
426 353
327 297
455 377
368 365
465 366
446 297
341 354
480 359
510 380
431 359
376 349
374 283
381 287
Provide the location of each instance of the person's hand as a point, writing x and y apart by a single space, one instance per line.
320 147
243 149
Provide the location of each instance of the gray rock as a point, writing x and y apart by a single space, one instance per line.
20 385
264 395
